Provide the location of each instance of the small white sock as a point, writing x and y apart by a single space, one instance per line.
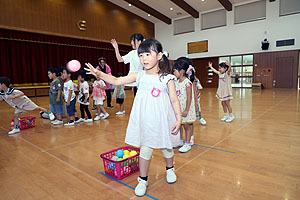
226 114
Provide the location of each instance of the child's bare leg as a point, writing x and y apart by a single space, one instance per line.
228 106
98 110
121 107
181 133
224 106
59 116
16 120
102 109
188 132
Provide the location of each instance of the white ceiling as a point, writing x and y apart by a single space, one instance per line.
163 6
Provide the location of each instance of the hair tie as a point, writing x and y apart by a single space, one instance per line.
166 54
189 70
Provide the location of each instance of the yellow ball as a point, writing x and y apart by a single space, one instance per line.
126 152
125 156
132 153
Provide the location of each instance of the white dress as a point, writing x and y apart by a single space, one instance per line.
152 116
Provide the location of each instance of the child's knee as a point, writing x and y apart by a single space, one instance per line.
146 152
168 153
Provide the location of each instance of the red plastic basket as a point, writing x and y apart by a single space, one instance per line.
27 122
123 168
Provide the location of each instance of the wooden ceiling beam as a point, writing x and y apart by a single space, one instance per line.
185 6
227 4
150 10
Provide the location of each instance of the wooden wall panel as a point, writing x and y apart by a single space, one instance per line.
104 19
269 60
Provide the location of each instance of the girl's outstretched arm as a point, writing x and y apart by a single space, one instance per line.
116 47
130 78
176 106
211 67
229 69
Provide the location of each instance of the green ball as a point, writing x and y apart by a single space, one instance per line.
119 159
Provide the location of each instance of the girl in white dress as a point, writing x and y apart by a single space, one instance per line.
155 116
184 71
224 92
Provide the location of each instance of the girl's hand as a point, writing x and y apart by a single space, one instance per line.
57 100
228 63
176 127
91 70
114 43
210 64
184 114
84 101
68 103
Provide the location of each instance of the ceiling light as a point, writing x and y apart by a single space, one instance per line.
149 15
171 9
129 4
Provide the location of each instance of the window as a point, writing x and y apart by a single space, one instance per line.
184 25
241 70
250 12
213 19
287 7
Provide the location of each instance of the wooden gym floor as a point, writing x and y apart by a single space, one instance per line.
257 156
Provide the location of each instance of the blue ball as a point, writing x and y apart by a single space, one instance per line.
120 153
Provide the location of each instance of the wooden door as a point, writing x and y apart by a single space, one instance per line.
265 76
284 72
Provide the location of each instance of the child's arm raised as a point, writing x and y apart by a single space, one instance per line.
189 90
130 78
116 47
176 106
211 67
229 69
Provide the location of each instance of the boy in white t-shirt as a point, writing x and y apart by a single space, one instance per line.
21 103
83 97
70 98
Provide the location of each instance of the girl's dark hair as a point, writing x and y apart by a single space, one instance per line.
83 74
136 36
5 81
184 63
61 69
223 65
104 68
53 71
152 44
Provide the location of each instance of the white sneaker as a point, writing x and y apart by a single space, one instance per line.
54 121
224 118
105 116
51 116
14 131
202 121
229 119
120 113
58 122
79 120
140 189
70 124
97 118
171 176
185 148
192 140
101 114
88 120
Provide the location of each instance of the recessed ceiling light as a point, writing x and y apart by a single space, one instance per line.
129 4
171 9
202 0
149 15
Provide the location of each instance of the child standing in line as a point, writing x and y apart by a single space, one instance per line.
21 103
197 87
184 70
224 92
83 97
70 98
55 96
99 97
119 94
155 117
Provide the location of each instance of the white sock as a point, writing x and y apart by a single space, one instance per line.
226 115
231 115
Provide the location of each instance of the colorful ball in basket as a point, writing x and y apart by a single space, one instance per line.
73 65
114 158
125 156
119 159
120 153
126 152
132 153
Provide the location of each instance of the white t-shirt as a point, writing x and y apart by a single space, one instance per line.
135 64
69 85
83 89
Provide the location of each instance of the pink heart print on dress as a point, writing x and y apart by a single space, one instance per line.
178 92
155 92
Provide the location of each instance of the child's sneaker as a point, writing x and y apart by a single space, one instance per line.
229 119
120 113
185 148
110 106
225 117
171 176
101 114
105 116
192 140
51 116
97 118
70 124
53 121
202 121
14 131
140 189
58 122
88 120
79 120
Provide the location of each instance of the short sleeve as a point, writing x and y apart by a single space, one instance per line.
102 83
108 70
165 79
58 85
127 57
16 92
139 75
71 86
85 87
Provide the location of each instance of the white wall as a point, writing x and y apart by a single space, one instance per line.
234 39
